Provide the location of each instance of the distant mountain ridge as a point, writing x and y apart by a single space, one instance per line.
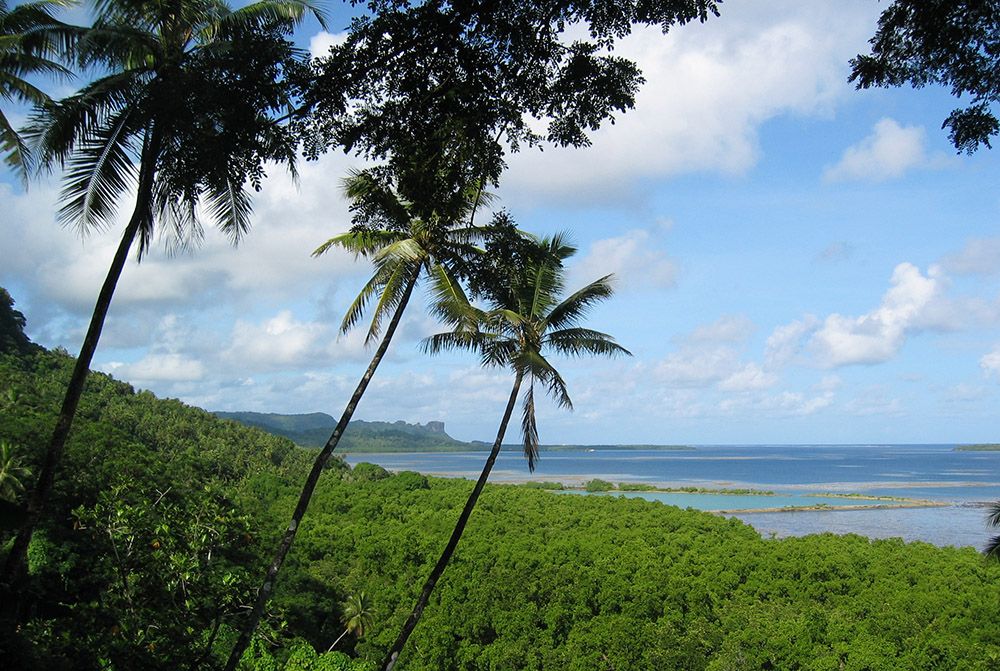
313 429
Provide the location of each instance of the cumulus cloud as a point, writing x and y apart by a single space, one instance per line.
633 259
888 152
711 356
155 368
877 335
708 90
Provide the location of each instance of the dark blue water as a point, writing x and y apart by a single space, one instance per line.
962 480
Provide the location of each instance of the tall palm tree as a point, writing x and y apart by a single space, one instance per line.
183 113
404 241
30 38
359 614
527 319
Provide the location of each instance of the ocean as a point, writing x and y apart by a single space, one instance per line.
963 482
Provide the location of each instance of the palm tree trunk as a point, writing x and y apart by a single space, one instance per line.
307 489
14 564
334 644
456 535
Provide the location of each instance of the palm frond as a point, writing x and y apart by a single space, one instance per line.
993 516
99 172
405 251
579 341
455 340
992 548
178 219
360 303
56 129
359 243
575 306
15 152
537 366
449 302
229 204
392 294
270 11
497 352
529 427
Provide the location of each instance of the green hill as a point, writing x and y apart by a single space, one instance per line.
313 429
164 517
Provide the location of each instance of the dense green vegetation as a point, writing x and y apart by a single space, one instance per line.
163 516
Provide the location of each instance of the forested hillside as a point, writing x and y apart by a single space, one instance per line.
163 515
313 430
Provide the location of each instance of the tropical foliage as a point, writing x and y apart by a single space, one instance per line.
578 582
183 111
403 242
526 318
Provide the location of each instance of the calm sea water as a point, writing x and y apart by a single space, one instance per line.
965 481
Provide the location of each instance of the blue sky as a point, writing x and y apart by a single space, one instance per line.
797 262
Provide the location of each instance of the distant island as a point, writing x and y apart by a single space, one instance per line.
313 429
979 447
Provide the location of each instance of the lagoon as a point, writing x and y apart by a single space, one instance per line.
961 482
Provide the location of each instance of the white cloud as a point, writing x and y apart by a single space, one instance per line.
632 258
158 368
978 257
877 335
785 342
888 152
282 341
709 88
750 377
320 43
990 362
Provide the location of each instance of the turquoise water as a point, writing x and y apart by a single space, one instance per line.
964 482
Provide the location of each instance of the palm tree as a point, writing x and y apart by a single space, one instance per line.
12 474
404 240
359 615
992 548
29 38
183 113
527 318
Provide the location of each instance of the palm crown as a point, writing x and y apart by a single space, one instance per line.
401 243
170 73
527 319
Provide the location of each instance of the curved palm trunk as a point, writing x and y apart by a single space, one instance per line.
307 489
456 535
339 638
39 497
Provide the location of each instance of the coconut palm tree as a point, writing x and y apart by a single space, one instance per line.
526 320
359 615
404 241
30 39
183 113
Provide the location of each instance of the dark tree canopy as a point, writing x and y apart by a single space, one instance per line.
953 43
12 337
454 85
